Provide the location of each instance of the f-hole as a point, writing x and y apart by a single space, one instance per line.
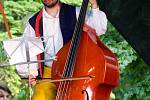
87 95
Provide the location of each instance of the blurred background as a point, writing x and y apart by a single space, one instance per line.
134 73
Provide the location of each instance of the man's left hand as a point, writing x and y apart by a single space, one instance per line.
94 3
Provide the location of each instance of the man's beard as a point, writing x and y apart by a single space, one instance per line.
51 4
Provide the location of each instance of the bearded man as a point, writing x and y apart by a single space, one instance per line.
56 21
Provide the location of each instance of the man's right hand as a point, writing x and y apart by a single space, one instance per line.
32 80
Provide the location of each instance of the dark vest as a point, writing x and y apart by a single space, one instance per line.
67 17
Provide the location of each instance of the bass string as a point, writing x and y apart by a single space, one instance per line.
63 86
74 47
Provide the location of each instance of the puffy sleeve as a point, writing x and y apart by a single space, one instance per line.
96 19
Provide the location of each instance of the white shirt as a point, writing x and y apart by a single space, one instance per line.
53 37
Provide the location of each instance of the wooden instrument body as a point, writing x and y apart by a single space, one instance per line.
93 59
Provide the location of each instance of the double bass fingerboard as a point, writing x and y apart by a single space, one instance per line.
71 58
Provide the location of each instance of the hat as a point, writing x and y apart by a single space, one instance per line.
4 87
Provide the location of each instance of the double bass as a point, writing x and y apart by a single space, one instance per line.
85 56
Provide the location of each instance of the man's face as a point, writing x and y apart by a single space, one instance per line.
49 3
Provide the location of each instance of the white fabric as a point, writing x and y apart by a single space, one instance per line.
53 37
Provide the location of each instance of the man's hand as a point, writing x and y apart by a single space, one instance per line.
91 32
32 80
94 4
88 29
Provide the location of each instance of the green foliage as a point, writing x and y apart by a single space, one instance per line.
134 82
72 2
8 74
2 53
24 92
119 46
15 12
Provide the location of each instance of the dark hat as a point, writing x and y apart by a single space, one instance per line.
4 87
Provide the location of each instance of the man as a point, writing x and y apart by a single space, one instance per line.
55 22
